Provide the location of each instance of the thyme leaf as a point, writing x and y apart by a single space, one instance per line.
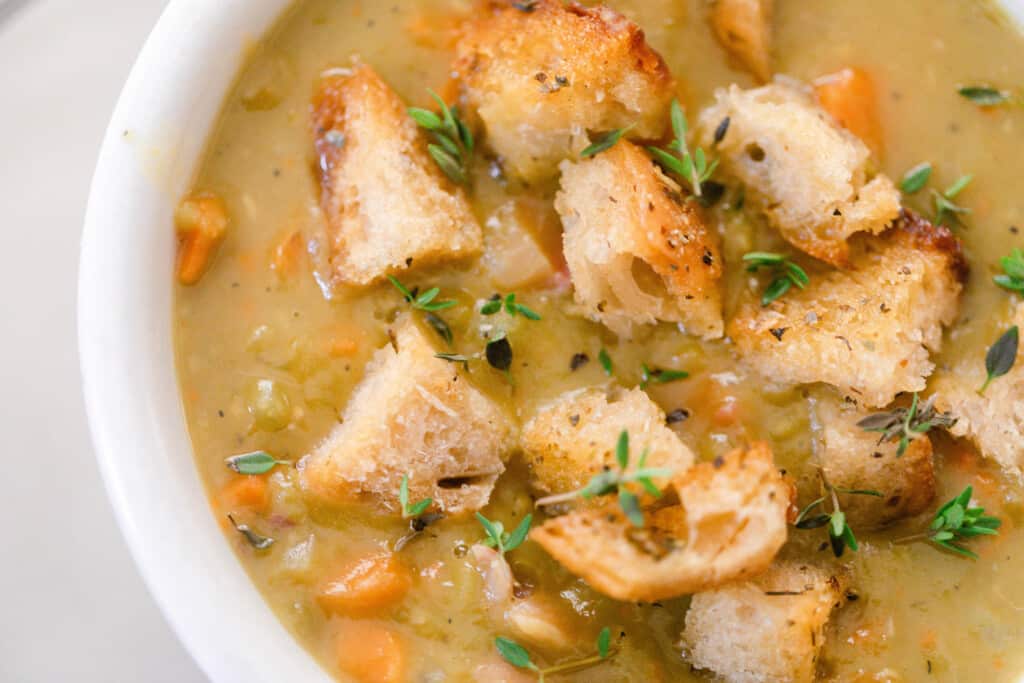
605 142
1001 357
257 462
501 540
956 522
984 96
605 360
1012 277
785 274
516 655
945 207
694 169
422 302
257 541
916 178
511 306
906 424
659 375
454 144
416 509
840 535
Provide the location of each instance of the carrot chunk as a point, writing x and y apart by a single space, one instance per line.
245 492
201 221
370 653
849 96
286 255
368 584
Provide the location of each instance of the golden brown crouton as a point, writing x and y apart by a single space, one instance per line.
994 421
809 176
867 331
414 415
573 439
386 203
744 28
541 78
729 524
853 458
638 251
769 630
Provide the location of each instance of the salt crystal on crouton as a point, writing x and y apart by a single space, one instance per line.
868 330
729 524
387 205
810 177
768 630
638 251
744 29
413 414
541 78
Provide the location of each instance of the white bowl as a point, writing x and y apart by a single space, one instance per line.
154 142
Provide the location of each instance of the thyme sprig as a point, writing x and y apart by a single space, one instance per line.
606 361
423 302
1001 357
693 169
945 207
415 509
511 306
840 535
605 142
454 141
516 655
916 178
784 272
906 424
956 522
256 540
609 481
502 540
650 375
1012 277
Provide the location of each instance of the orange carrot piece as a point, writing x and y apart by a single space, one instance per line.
849 96
201 221
245 492
286 253
370 653
366 585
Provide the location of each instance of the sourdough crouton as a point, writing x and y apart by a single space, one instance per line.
541 78
852 458
769 630
386 203
638 252
993 421
414 415
729 524
744 29
866 331
574 438
808 175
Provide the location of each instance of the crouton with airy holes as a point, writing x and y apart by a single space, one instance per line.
853 458
387 205
744 29
638 251
540 79
729 524
993 421
810 177
768 630
868 330
574 438
413 414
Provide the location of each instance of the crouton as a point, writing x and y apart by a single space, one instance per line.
809 176
866 331
853 458
993 421
414 415
387 204
638 251
769 630
541 78
574 438
729 524
744 29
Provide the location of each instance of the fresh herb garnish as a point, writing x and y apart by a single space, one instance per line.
606 361
610 481
257 462
785 273
416 509
257 541
516 655
984 96
916 178
1013 272
906 424
454 141
956 522
840 535
501 540
1000 357
659 375
694 168
605 142
438 324
512 307
454 358
945 207
423 302
499 353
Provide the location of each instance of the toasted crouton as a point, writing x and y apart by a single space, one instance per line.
744 28
541 78
638 252
414 415
866 331
386 203
808 175
729 524
994 421
853 458
769 630
573 439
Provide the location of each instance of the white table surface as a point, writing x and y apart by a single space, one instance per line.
73 607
